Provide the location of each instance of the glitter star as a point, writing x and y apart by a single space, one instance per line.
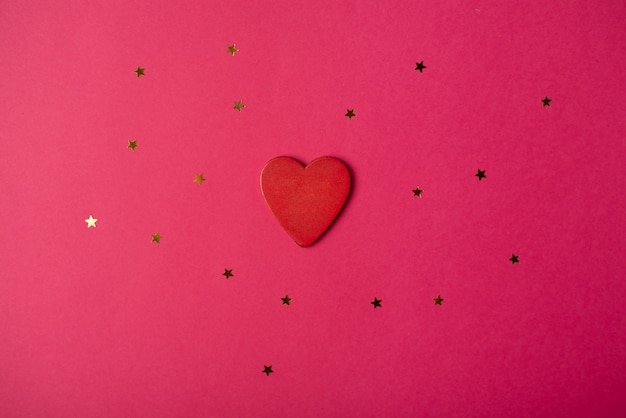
132 145
286 300
480 174
376 303
199 178
91 222
228 273
438 300
546 101
419 66
239 105
267 369
350 113
232 49
139 71
514 259
417 192
156 238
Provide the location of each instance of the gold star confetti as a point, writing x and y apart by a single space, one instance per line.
239 105
286 300
132 145
228 273
376 303
91 222
438 300
419 66
417 192
546 101
140 71
232 49
267 369
480 174
514 259
350 113
156 238
199 178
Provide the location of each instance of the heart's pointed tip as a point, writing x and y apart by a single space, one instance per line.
305 243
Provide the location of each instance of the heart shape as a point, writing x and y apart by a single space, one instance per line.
305 200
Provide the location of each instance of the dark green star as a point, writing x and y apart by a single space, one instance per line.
514 259
286 300
376 303
419 66
267 369
480 174
228 273
139 71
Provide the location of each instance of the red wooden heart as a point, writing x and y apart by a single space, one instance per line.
305 200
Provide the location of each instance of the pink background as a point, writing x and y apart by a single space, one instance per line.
103 322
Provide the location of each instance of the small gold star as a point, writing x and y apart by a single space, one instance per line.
228 273
267 370
376 303
480 174
350 113
286 300
514 259
199 178
239 105
417 192
156 238
438 300
132 145
419 66
232 49
91 222
140 71
546 101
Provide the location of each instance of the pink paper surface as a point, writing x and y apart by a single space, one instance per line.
102 322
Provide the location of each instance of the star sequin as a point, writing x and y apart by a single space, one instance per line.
228 273
419 66
91 222
376 303
156 238
438 300
140 71
514 259
232 49
239 105
350 113
132 145
546 101
267 369
480 174
199 178
417 192
286 300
